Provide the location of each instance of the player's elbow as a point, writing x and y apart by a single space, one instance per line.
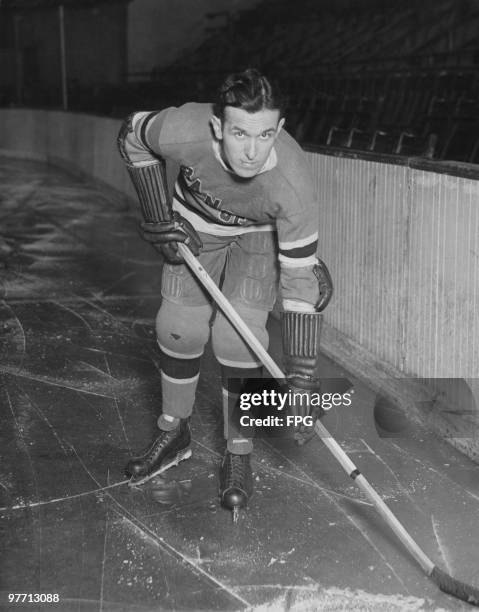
131 143
125 132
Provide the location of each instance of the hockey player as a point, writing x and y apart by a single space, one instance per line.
244 202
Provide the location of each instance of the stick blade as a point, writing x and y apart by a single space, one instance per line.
454 587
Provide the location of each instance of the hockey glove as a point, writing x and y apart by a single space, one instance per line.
165 235
300 332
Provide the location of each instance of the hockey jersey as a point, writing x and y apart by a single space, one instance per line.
217 201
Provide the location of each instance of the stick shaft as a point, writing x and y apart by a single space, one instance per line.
352 471
334 448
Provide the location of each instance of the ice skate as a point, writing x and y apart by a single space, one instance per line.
167 450
236 482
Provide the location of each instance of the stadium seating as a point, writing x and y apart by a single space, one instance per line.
393 78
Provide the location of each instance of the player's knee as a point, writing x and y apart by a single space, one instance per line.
229 348
182 331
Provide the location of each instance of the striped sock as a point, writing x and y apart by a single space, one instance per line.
232 379
167 422
179 379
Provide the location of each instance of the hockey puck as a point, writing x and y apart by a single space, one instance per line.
389 419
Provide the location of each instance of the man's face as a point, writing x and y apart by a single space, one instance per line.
246 139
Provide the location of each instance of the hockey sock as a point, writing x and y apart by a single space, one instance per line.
179 379
167 422
232 382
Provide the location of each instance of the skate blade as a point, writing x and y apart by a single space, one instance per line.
239 514
181 456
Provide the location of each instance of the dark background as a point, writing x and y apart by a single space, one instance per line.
387 76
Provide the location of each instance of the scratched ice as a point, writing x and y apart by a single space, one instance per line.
80 391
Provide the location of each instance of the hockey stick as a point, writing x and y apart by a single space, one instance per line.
444 581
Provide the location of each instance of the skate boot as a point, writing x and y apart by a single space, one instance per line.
168 449
236 482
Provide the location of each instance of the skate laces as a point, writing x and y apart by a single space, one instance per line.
161 441
237 468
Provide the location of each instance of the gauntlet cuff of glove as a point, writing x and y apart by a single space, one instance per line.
152 190
300 333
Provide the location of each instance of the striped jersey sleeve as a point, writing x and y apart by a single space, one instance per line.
300 252
297 227
297 258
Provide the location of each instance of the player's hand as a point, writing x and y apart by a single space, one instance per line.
165 235
304 407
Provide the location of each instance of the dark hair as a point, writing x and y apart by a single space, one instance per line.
249 90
